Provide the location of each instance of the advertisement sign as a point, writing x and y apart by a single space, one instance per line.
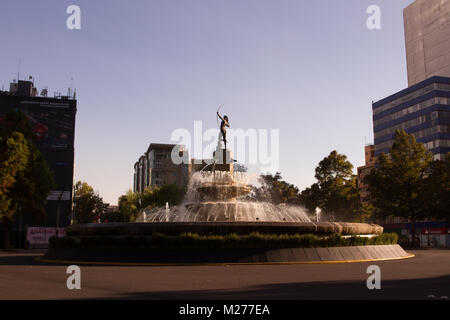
39 237
52 122
434 231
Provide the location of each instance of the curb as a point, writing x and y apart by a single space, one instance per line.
153 264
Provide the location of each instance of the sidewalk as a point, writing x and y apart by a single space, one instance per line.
22 251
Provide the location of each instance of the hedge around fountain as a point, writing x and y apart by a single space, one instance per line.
224 242
194 241
223 228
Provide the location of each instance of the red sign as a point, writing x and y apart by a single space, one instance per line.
435 231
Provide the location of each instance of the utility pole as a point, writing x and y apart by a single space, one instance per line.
58 211
20 231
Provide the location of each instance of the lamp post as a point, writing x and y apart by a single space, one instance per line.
167 211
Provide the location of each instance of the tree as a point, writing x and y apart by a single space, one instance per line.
335 192
132 203
13 159
335 168
111 215
275 190
129 205
169 193
436 190
398 186
32 184
87 204
310 197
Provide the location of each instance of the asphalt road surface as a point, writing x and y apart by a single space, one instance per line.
426 276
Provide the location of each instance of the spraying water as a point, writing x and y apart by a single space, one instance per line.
218 196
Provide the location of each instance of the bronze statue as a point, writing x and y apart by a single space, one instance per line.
223 129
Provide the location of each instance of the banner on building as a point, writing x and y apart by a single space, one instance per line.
56 195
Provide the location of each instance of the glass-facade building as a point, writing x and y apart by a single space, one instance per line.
422 109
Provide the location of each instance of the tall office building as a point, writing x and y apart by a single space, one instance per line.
53 122
427 37
422 109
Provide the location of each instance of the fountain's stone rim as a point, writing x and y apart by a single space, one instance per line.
163 256
238 227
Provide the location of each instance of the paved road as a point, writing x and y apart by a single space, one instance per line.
416 278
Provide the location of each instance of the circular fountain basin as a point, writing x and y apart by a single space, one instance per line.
155 255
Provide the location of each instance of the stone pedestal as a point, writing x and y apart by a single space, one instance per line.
224 160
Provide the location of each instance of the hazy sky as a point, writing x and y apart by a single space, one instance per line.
144 68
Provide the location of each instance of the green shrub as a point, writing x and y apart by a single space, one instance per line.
194 240
63 242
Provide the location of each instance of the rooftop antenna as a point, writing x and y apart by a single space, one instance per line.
18 70
71 87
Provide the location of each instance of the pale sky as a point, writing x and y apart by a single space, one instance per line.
145 68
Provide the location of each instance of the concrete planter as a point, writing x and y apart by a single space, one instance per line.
188 256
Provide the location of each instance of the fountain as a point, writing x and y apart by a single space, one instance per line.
216 204
216 195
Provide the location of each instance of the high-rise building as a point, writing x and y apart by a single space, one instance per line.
53 122
422 109
365 170
427 37
155 168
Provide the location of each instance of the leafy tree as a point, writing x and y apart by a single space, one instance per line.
335 192
334 169
170 193
132 203
129 205
13 159
398 186
436 190
113 216
31 185
274 189
366 211
87 204
310 197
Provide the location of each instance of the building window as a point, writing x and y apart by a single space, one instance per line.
404 99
